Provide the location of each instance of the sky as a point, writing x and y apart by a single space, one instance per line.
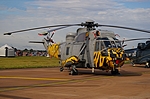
23 14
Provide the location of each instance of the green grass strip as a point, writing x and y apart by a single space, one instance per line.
27 62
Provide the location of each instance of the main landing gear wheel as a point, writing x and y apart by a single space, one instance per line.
61 69
115 72
73 72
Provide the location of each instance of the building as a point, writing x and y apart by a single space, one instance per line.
7 51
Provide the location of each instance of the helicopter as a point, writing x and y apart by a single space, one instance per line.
88 47
140 55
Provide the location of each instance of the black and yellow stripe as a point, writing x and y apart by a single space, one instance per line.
98 59
107 62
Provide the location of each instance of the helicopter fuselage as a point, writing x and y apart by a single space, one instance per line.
90 50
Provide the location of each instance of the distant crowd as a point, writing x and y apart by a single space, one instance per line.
30 53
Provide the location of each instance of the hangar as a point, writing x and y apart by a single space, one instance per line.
7 51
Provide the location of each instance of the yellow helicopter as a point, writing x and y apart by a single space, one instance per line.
88 47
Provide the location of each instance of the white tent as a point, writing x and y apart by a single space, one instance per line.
7 51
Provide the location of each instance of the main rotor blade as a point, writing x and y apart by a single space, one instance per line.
9 33
57 29
122 27
36 42
136 39
127 39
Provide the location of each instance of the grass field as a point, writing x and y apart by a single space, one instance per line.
27 62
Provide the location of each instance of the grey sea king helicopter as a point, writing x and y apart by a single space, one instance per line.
87 48
140 55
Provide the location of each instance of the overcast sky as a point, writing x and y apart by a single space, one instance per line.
22 14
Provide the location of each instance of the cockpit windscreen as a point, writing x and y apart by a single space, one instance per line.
110 43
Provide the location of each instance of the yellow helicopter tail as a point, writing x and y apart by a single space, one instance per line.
53 50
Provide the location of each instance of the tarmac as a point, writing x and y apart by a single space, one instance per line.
50 83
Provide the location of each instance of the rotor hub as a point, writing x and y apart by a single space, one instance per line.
89 24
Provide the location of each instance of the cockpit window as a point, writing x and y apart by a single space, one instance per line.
113 44
106 41
110 43
99 45
118 43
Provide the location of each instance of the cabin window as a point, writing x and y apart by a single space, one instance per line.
67 50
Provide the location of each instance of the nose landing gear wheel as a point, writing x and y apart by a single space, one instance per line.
147 65
115 72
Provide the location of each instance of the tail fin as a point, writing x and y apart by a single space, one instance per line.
53 50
